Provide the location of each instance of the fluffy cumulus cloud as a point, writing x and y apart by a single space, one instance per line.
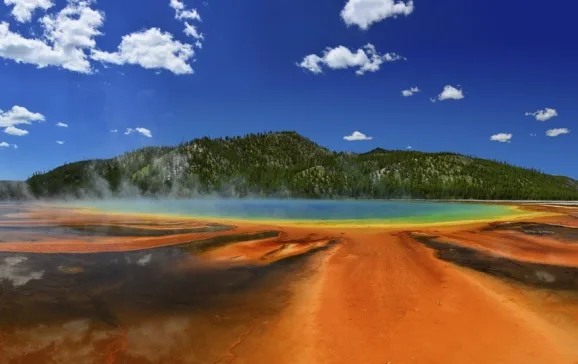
18 115
543 115
4 145
363 13
356 136
557 131
114 130
22 9
12 130
410 92
151 49
142 131
62 125
450 93
365 59
501 137
59 142
67 37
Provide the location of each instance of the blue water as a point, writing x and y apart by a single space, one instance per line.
328 210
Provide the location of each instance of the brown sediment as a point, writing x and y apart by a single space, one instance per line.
473 293
117 347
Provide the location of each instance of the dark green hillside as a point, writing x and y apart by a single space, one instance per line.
286 164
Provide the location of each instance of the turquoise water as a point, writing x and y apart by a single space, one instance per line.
307 210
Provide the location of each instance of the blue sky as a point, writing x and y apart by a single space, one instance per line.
181 69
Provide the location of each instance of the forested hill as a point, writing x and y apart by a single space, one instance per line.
286 164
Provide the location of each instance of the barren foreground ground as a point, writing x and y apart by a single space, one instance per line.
81 288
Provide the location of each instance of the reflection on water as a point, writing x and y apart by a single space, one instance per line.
12 270
151 304
169 304
109 230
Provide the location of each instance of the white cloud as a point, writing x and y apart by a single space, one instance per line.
189 14
181 13
363 13
23 9
11 130
74 27
451 93
557 131
66 37
409 147
365 59
501 137
177 5
68 40
357 136
62 125
143 131
150 49
184 15
192 31
18 115
543 115
114 131
410 92
59 142
312 63
6 145
532 134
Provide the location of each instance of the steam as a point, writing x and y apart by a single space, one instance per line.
15 190
168 176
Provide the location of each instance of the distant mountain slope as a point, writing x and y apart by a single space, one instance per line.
286 164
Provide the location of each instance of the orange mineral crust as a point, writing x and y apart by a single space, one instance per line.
135 289
385 299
